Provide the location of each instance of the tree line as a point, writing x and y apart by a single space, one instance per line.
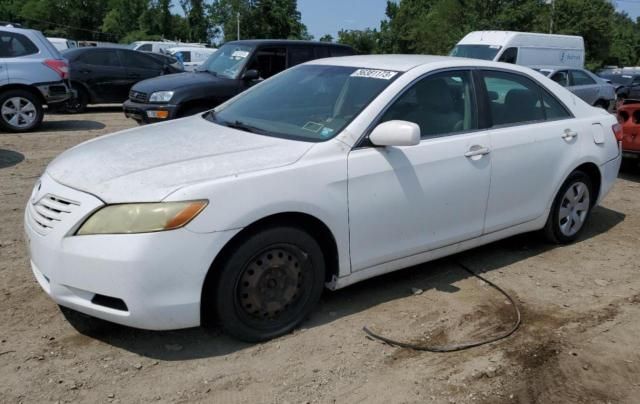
125 21
409 26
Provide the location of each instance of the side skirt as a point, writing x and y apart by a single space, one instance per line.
376 270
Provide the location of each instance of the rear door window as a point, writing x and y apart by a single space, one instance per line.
513 99
553 109
137 60
100 57
580 78
15 45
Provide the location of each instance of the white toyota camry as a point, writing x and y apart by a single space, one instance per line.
324 175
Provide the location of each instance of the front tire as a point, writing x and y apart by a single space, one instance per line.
20 111
269 284
571 209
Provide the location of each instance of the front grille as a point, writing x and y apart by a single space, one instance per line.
137 96
48 212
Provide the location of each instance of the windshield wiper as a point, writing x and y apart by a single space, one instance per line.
245 127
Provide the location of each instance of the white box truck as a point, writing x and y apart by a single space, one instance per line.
522 48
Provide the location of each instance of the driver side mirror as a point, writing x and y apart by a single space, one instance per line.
251 75
395 133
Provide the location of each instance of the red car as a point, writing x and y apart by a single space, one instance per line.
629 118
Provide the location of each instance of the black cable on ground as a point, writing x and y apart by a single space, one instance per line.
457 347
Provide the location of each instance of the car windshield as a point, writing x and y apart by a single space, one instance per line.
228 61
311 102
486 52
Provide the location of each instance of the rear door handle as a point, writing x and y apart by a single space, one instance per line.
477 150
569 134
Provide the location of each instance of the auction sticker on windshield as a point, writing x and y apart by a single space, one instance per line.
239 54
374 74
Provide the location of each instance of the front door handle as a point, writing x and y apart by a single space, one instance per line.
569 134
477 150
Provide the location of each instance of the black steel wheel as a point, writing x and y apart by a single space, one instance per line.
269 284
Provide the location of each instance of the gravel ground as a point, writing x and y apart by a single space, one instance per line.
579 341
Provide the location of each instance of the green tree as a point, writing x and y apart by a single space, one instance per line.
278 19
363 41
326 38
198 22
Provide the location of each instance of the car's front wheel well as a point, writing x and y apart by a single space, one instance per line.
596 178
308 223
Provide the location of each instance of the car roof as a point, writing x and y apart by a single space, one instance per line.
195 48
403 63
255 42
554 68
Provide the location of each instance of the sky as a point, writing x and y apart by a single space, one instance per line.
330 16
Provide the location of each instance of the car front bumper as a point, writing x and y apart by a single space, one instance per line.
151 281
149 113
55 92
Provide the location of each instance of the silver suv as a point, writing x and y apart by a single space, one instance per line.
32 74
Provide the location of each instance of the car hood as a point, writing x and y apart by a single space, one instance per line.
177 81
148 163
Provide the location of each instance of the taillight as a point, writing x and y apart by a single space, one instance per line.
59 66
617 130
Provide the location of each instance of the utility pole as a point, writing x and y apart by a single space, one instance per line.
238 19
553 10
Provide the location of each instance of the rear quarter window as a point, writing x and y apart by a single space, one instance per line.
15 45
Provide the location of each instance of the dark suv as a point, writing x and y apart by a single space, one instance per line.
32 74
235 67
101 75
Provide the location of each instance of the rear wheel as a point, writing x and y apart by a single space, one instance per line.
20 111
571 209
269 284
77 104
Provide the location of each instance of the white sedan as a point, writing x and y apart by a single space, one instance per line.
329 173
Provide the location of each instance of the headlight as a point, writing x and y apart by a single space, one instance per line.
161 96
141 217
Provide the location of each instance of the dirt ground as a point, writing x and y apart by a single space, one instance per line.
579 341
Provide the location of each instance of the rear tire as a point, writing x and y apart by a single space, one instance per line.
77 104
269 284
571 209
20 111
